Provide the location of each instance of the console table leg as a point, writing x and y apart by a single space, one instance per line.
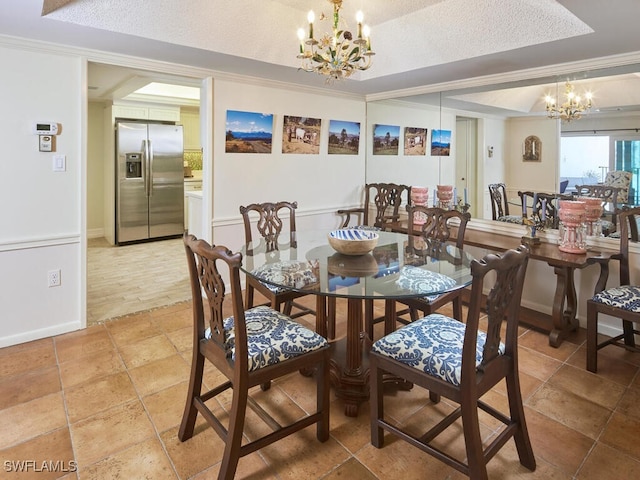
564 320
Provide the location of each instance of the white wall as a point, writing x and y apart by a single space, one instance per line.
40 210
320 183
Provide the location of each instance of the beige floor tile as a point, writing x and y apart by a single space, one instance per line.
90 367
167 406
45 457
537 364
147 350
622 433
594 388
570 409
607 463
351 469
27 356
155 376
143 461
95 396
81 343
28 386
195 455
110 432
131 329
25 421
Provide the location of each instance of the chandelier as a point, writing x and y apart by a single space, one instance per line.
336 54
571 109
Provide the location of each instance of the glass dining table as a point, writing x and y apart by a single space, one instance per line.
400 266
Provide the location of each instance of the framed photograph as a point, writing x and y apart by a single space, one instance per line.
440 143
415 140
532 151
248 132
301 135
344 138
386 139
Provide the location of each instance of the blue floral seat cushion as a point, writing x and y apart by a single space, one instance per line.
272 337
626 297
432 345
416 279
293 273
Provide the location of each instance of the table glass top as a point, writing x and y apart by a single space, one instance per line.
399 266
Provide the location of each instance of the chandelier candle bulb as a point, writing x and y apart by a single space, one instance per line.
359 18
311 17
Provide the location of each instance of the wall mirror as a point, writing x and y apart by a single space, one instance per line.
504 114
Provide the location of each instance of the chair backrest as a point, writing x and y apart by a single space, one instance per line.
269 222
606 193
536 200
206 279
628 219
502 304
499 204
439 224
563 186
387 199
622 180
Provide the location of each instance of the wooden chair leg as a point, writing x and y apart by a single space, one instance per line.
592 338
377 407
629 336
472 439
233 442
331 318
368 317
323 386
457 309
249 297
516 411
195 387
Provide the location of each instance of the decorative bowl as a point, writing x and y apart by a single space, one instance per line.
353 241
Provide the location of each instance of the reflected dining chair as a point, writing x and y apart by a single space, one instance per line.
500 205
609 197
622 302
269 224
439 228
249 348
462 363
386 199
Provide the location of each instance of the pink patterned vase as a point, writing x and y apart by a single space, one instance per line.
571 231
419 196
445 196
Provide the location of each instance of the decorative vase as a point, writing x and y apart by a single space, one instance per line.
571 230
593 212
419 196
445 196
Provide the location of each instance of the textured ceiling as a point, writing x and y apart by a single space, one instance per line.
406 34
418 43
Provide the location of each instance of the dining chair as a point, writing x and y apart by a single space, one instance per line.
385 199
249 348
268 219
462 363
622 302
440 227
536 202
500 205
622 180
609 197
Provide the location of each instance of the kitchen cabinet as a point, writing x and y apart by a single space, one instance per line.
193 184
190 119
146 112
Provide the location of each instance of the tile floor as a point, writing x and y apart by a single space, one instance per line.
127 279
110 399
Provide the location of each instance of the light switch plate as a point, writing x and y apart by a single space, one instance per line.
59 163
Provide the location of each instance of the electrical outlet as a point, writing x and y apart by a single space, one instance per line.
54 278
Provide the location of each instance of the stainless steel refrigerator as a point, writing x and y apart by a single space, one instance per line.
149 181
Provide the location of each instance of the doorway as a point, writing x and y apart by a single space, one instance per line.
137 277
466 161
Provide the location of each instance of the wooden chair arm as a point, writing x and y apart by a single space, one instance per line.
348 212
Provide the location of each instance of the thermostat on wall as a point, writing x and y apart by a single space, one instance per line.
45 128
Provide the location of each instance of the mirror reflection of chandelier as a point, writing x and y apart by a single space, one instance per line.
336 54
571 109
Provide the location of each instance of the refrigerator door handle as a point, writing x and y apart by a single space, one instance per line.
150 147
145 167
